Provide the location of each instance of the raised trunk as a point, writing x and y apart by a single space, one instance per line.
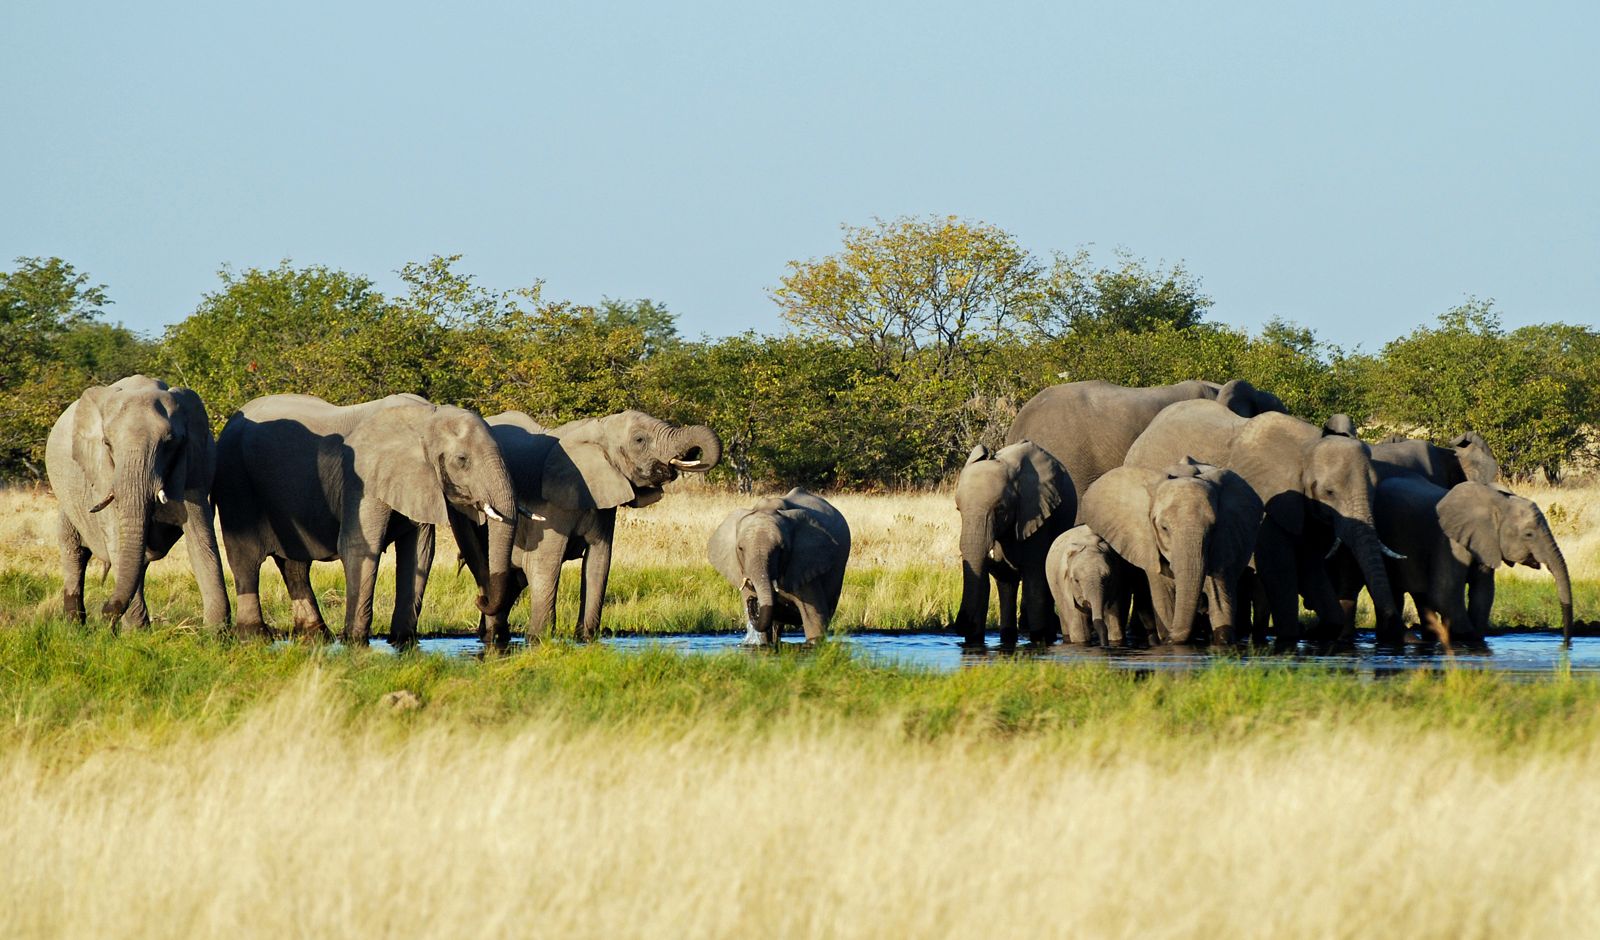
1362 540
977 537
1548 553
1188 573
695 448
134 492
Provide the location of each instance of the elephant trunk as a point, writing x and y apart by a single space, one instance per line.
1188 573
1362 540
1097 610
1548 553
695 449
496 597
977 537
134 490
760 565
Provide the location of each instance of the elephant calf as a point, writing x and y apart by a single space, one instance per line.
1091 586
786 557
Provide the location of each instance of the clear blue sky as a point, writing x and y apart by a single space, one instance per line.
1357 167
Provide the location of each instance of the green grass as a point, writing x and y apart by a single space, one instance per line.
75 689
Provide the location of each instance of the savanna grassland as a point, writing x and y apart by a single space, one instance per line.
167 782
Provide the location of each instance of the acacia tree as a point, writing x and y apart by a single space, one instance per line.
913 285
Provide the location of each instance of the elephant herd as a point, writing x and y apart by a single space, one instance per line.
1186 513
1201 512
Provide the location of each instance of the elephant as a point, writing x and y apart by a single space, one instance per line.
1091 585
1191 528
786 557
1468 458
570 481
1014 502
147 448
1089 426
1316 489
1453 540
301 480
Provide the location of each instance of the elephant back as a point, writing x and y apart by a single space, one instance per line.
1197 430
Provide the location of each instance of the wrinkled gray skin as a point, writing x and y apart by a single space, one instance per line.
131 465
786 558
1453 540
1191 529
300 480
1013 503
1468 458
1091 586
569 482
1316 488
1089 426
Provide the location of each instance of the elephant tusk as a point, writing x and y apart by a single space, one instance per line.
1336 543
161 496
490 511
694 466
1390 552
531 514
103 503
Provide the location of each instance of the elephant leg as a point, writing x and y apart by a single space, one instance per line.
542 568
308 622
1276 570
1075 624
592 584
360 584
1221 601
1432 620
1115 622
245 558
413 557
1322 598
74 562
1038 610
812 620
1480 599
200 541
1007 591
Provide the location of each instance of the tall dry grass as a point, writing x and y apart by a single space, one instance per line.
296 822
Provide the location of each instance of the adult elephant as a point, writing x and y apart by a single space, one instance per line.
1089 426
1316 489
1453 540
1467 459
1014 502
570 481
786 557
144 451
1191 528
301 480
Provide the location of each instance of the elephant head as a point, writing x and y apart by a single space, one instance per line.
624 459
1496 525
1004 498
139 444
427 462
1086 566
1247 401
769 548
1475 459
1302 474
1185 523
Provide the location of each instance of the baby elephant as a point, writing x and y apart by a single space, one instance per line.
786 557
1090 584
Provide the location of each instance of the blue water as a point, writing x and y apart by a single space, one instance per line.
1520 654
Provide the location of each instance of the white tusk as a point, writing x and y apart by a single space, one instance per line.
531 514
489 511
1391 552
1336 543
161 496
103 503
695 466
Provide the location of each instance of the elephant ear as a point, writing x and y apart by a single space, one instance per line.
577 475
390 458
1239 510
812 551
1469 514
1339 425
199 446
1270 453
1117 508
977 453
1042 489
722 549
88 443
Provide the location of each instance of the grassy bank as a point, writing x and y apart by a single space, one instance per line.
903 572
169 784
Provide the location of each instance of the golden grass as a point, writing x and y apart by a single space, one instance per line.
296 822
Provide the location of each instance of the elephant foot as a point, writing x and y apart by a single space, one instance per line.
974 644
1008 638
251 630
72 606
404 641
113 610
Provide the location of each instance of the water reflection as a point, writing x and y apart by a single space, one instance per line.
1520 654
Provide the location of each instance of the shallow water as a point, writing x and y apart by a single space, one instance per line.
1516 654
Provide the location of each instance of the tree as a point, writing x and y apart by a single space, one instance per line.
655 322
898 288
41 301
1126 297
